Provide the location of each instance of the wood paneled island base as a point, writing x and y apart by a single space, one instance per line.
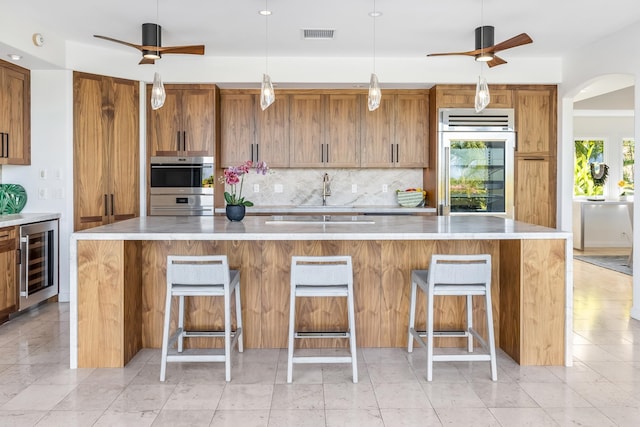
121 289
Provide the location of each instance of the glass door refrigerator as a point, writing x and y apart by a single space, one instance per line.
476 161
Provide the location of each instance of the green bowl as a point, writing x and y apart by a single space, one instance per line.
13 197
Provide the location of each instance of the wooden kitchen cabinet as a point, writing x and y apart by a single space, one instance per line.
106 150
306 130
396 135
464 96
536 167
186 124
249 133
15 114
535 190
534 122
9 267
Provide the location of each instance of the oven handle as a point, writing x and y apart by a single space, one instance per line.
24 240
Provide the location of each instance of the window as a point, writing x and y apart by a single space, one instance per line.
628 151
586 152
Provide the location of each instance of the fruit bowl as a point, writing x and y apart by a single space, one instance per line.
410 199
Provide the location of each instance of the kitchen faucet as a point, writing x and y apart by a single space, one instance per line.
326 190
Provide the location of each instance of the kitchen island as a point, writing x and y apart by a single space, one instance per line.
118 281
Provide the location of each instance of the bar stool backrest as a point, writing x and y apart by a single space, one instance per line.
198 270
460 270
321 271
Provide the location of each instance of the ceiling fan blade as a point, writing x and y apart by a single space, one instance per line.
516 41
496 61
135 46
470 53
190 50
147 61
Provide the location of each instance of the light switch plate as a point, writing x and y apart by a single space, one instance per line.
256 188
278 188
354 188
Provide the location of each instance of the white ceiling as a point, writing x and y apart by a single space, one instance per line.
407 28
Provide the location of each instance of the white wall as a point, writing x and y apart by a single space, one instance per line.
51 151
615 54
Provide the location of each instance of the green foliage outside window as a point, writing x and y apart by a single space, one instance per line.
628 152
586 152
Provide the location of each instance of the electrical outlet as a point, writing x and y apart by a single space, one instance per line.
43 194
256 188
354 188
59 193
385 188
43 174
58 173
277 188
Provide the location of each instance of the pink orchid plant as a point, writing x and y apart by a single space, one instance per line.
234 176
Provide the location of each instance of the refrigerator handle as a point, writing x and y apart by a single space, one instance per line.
447 201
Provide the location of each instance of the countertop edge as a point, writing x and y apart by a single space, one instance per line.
26 218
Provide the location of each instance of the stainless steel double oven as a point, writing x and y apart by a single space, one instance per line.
181 186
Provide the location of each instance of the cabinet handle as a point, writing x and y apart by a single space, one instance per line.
515 141
2 147
321 153
178 140
397 153
106 212
327 153
112 204
257 152
533 158
5 143
184 141
391 153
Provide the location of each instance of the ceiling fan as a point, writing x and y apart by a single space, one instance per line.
486 50
151 46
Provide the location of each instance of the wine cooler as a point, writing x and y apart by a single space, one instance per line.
38 262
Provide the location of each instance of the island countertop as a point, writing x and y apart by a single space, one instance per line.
314 228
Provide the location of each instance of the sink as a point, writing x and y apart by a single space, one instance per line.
319 219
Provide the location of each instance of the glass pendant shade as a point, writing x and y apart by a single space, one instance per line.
267 94
158 95
375 94
482 94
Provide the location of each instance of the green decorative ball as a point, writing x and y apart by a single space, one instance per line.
13 197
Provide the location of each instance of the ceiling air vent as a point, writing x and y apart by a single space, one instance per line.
317 34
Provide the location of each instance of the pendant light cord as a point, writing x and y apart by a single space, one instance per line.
374 35
266 36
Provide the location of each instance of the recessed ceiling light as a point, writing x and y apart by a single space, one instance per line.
15 56
375 14
264 12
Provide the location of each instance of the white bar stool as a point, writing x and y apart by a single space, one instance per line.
324 276
200 276
455 275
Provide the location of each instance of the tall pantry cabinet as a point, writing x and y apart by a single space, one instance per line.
106 144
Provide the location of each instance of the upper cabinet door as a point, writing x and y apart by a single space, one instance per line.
306 127
412 131
237 129
165 125
535 118
378 141
272 132
342 124
198 122
15 113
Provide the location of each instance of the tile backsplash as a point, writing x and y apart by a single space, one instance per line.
304 186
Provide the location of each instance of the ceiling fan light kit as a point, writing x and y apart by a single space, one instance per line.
151 36
375 94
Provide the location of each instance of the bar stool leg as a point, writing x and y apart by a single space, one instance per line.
180 323
292 321
430 308
239 329
352 334
165 336
227 334
469 323
490 335
412 315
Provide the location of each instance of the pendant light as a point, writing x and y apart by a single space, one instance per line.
375 94
482 88
158 94
267 94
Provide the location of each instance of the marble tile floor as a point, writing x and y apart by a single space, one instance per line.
601 389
